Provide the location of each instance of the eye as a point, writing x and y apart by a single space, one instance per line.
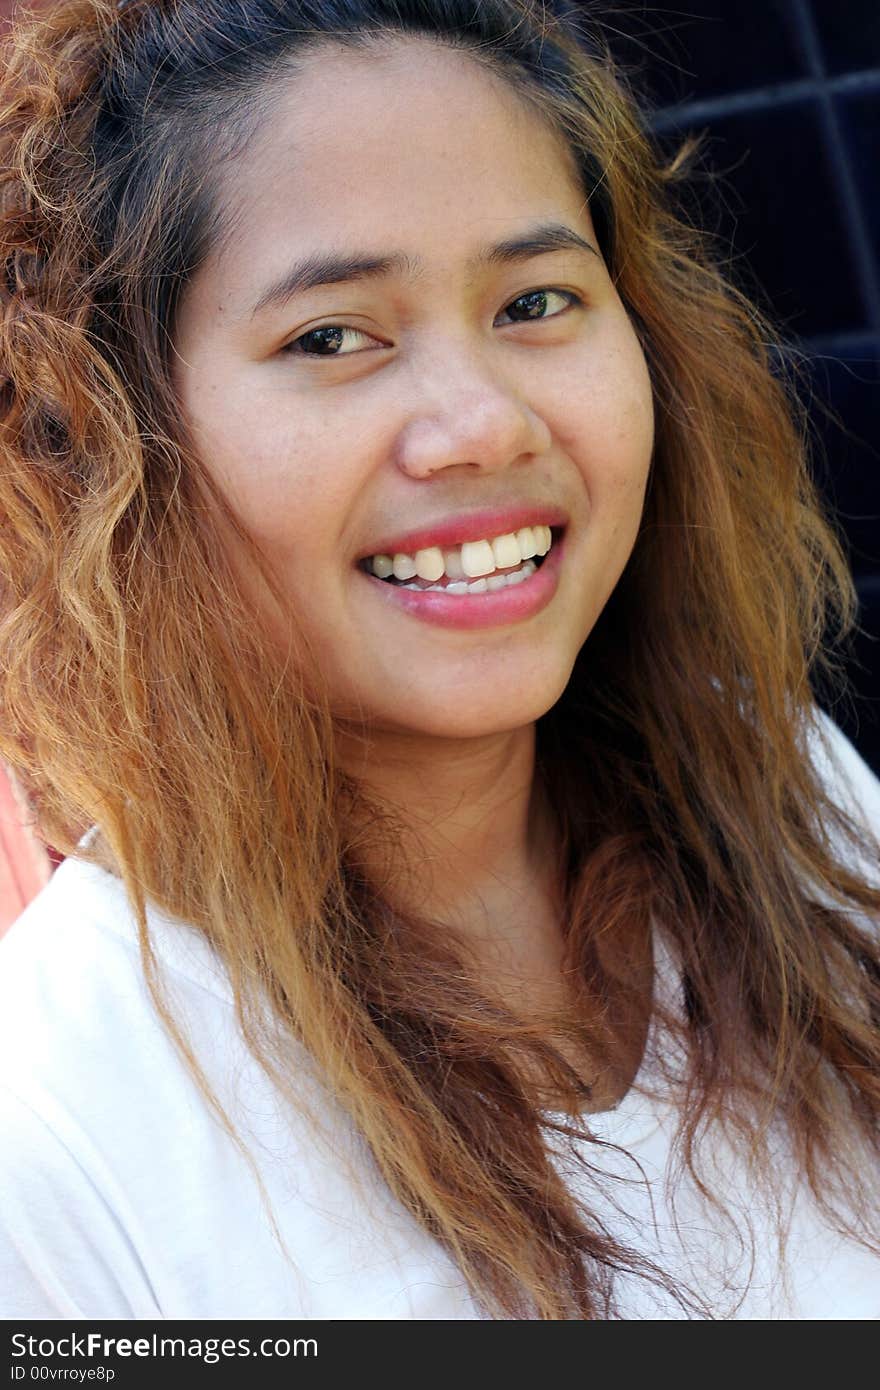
328 341
537 303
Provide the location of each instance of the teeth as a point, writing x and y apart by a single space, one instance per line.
506 552
383 566
472 560
477 558
404 567
430 563
526 541
478 586
452 562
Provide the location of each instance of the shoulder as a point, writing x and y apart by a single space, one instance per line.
84 1046
85 1057
843 768
83 1061
120 1193
850 783
73 997
115 1174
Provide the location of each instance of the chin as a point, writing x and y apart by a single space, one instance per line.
510 711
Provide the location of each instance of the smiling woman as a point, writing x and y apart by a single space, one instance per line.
474 913
460 382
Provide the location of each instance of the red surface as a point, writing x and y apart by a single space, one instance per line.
25 865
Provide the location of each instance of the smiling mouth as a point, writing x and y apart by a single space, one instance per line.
470 569
502 578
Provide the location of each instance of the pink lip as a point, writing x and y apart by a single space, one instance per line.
477 526
470 611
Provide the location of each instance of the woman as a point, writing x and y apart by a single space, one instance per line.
507 951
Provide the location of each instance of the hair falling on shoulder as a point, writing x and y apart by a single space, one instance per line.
139 692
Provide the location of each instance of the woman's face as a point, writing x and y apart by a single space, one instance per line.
342 417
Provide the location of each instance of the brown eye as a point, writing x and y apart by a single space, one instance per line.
322 342
534 302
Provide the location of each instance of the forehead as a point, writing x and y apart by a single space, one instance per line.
410 143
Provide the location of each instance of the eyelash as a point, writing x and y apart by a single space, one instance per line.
290 348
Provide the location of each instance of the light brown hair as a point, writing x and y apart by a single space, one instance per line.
140 692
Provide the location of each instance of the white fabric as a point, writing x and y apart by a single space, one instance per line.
122 1197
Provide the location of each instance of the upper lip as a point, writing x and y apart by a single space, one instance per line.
472 526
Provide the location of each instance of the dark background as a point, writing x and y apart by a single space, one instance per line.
788 92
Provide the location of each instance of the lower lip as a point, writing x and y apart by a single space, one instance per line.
492 609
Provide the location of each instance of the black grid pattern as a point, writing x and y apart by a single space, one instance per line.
788 92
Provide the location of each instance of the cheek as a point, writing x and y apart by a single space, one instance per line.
283 483
611 433
625 401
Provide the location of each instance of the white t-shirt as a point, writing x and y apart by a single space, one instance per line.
121 1196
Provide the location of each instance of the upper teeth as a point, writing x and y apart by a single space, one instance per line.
468 561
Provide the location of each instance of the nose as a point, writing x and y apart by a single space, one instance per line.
467 415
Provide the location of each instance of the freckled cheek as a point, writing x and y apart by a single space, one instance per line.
284 481
611 441
277 481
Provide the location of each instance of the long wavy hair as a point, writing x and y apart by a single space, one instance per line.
141 693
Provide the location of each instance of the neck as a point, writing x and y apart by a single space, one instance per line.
479 851
479 840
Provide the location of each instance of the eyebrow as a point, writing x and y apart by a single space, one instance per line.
344 269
